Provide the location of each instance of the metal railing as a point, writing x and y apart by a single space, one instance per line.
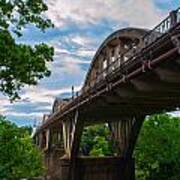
171 21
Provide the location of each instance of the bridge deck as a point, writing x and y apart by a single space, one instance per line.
147 83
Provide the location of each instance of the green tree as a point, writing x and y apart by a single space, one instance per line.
96 141
22 64
158 149
28 129
19 158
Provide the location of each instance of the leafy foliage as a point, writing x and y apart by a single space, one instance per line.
19 158
22 64
28 129
96 141
19 13
158 149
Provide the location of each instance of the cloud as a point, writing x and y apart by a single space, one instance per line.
25 106
75 45
35 101
4 102
82 13
61 51
70 59
3 110
85 52
42 95
36 114
81 52
82 40
167 5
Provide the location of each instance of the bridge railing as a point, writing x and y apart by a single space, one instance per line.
178 15
162 28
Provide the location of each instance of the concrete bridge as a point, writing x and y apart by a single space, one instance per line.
134 73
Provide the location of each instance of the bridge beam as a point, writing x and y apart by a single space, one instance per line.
169 74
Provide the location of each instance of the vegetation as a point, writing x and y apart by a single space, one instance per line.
96 141
19 158
157 151
28 129
22 64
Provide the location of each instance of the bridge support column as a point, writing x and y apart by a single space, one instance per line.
72 131
125 133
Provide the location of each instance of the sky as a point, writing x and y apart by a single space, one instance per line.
80 28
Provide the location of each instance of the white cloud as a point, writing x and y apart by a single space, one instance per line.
18 114
85 52
81 52
37 94
78 45
3 110
135 12
34 95
4 103
70 61
45 108
70 67
59 50
82 40
67 64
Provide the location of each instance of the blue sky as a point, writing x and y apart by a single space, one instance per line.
80 27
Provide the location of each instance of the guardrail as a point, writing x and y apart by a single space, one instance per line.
162 28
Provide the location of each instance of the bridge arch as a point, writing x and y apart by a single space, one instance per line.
58 104
114 47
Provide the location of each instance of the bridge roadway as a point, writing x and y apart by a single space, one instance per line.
134 73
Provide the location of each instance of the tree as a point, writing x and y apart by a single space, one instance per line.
158 149
96 141
22 64
28 129
19 158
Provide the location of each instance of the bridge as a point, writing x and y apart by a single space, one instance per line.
134 73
